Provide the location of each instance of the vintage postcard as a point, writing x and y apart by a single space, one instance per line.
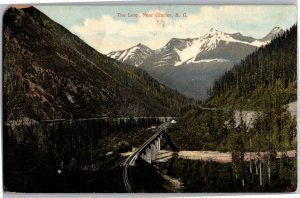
149 98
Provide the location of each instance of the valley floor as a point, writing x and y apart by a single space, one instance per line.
224 157
216 156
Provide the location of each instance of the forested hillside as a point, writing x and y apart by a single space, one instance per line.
50 73
265 79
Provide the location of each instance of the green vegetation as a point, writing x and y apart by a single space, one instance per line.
200 130
216 130
201 176
265 79
264 82
86 152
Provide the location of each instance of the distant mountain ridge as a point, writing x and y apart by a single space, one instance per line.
213 46
49 73
191 65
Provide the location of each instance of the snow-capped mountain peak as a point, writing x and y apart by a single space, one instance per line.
221 46
214 33
220 35
208 42
274 32
133 56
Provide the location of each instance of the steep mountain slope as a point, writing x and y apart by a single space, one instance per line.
50 73
191 80
209 55
267 78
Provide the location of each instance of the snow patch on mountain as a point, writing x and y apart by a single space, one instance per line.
258 43
220 60
114 55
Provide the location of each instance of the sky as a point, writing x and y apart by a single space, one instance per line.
105 30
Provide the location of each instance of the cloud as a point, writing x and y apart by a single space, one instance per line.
251 20
108 34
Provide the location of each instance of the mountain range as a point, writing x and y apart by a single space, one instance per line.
49 73
191 65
